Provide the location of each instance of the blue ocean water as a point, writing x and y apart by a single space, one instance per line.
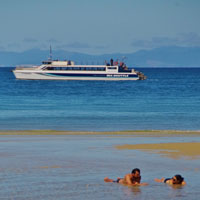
168 99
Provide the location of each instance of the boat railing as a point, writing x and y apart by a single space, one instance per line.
26 67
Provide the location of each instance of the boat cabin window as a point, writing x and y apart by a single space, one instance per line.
124 69
46 62
76 68
112 67
48 68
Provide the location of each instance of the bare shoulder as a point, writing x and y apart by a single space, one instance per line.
128 175
128 179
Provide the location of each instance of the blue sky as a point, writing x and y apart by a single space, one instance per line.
98 26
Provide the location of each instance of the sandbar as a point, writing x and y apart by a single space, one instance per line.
138 133
187 150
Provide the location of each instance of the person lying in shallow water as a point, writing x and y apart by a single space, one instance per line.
129 179
175 180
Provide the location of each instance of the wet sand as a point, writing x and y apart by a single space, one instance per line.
188 150
142 133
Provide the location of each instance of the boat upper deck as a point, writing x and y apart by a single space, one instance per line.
67 65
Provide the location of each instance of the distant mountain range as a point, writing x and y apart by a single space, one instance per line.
171 56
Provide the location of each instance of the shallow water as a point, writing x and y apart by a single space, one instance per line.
73 167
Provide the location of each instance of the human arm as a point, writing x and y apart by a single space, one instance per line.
183 183
106 179
159 180
142 184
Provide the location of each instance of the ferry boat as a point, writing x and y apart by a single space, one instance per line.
67 70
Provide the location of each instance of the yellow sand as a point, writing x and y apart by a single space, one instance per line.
146 133
188 150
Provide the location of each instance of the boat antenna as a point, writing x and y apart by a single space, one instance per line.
50 53
123 58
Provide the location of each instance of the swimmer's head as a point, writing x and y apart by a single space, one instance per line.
136 172
177 179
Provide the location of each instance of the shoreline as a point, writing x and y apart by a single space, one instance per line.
138 133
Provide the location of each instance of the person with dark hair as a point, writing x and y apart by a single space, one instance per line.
129 179
177 179
111 62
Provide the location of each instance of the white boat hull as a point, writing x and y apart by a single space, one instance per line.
41 75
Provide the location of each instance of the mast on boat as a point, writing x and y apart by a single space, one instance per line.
50 53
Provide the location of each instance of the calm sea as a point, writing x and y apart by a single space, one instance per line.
168 99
